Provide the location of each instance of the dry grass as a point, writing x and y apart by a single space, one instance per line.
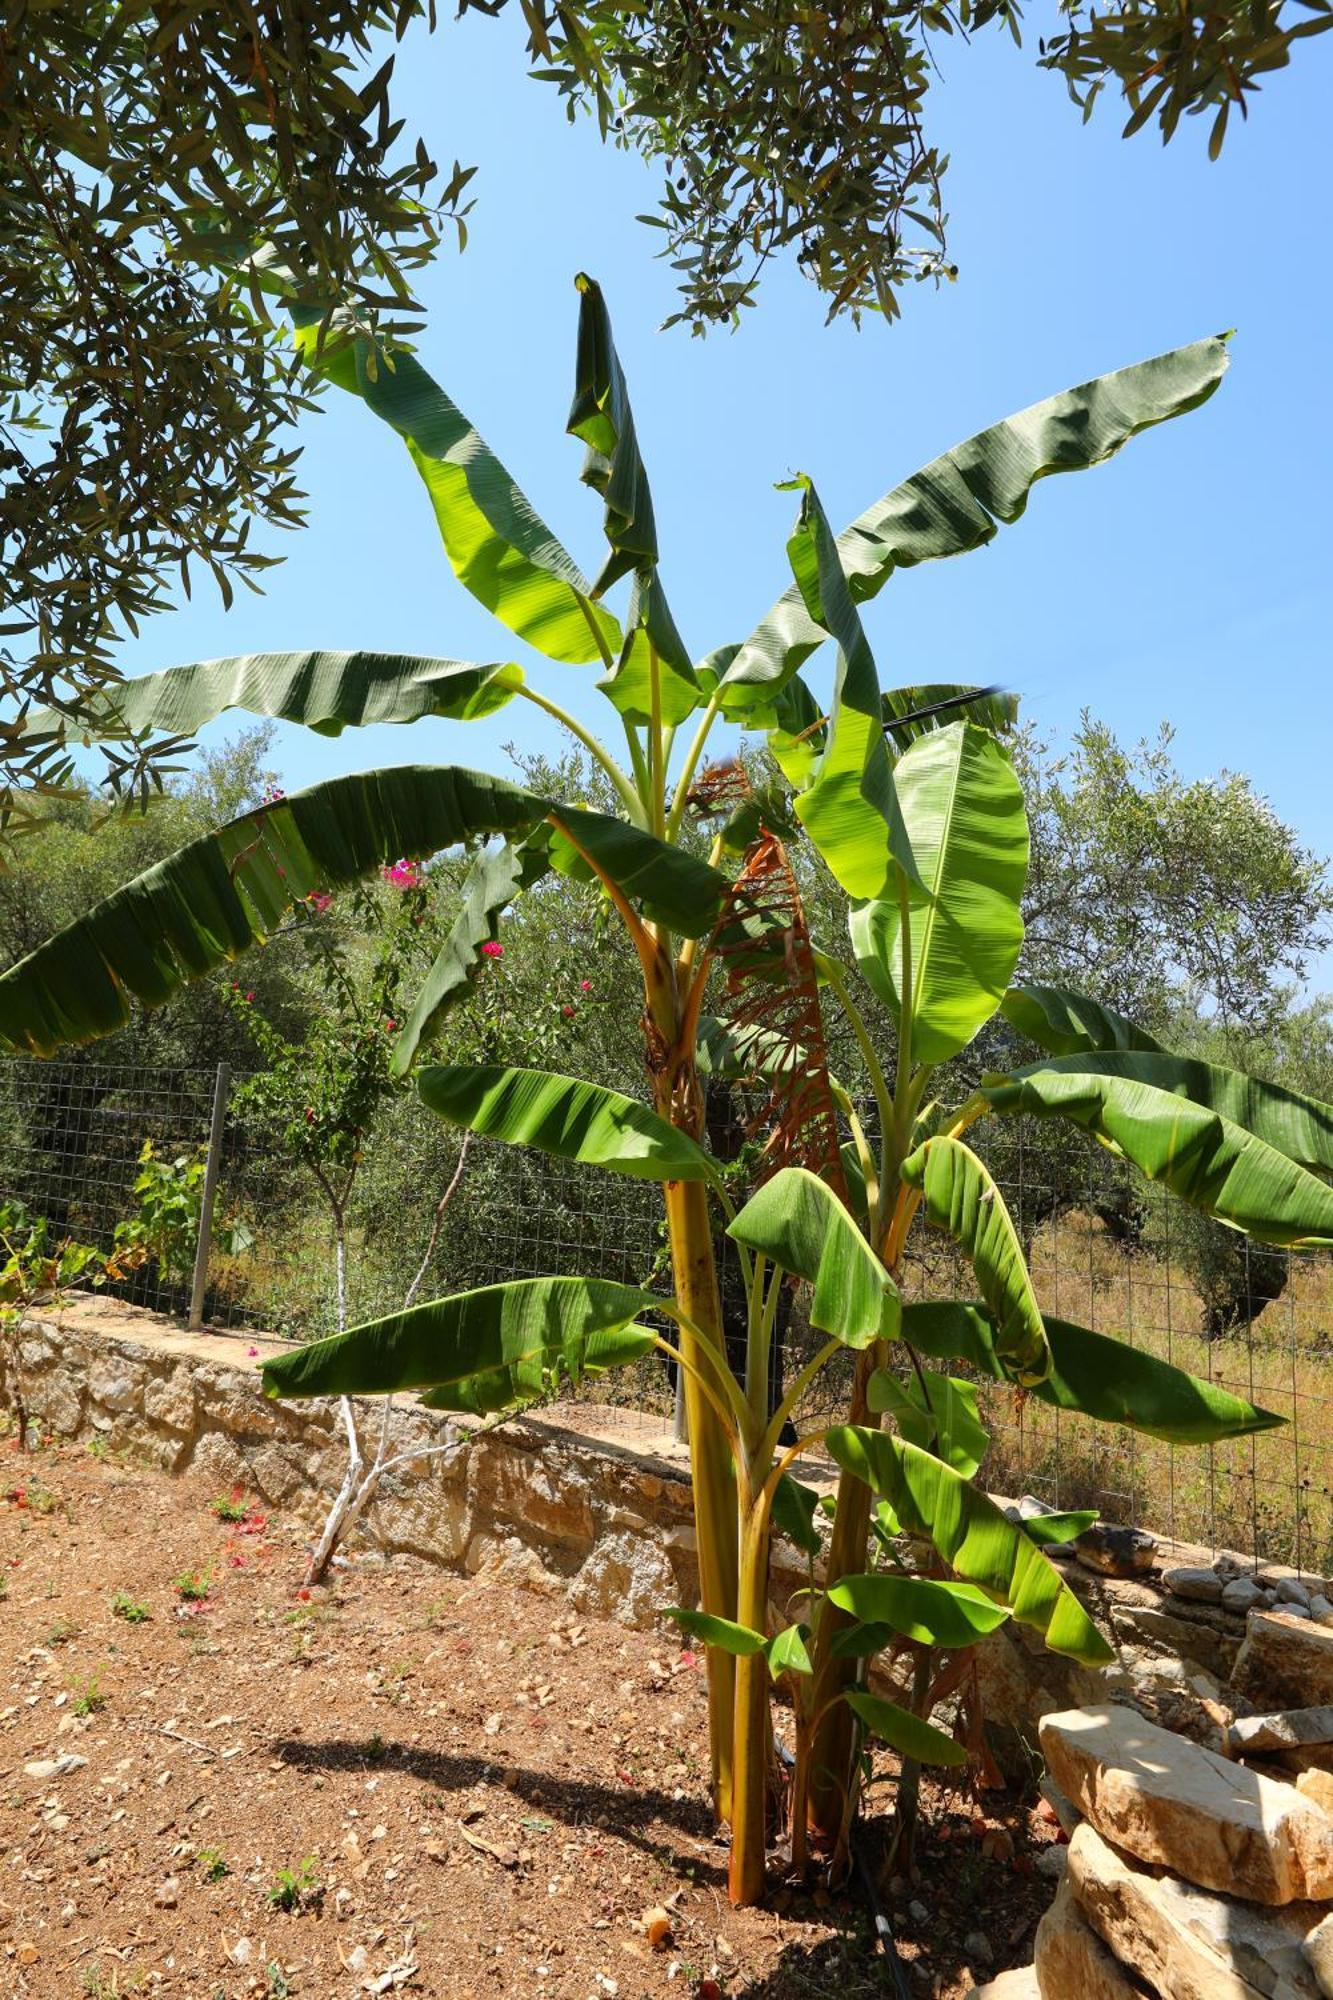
1271 1495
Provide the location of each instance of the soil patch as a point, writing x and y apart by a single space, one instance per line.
215 1783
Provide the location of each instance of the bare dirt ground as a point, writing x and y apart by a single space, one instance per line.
215 1783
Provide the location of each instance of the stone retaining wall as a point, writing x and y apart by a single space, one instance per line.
609 1528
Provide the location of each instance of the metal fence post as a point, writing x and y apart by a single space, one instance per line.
221 1091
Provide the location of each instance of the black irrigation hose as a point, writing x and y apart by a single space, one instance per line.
883 1929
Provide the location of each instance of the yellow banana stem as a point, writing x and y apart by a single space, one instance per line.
749 1805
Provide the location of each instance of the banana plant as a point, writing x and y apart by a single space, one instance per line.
936 922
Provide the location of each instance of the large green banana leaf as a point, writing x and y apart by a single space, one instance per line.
972 1535
500 548
851 810
219 894
963 809
961 1197
477 1351
1096 1376
914 711
957 502
798 1222
932 1613
566 1117
494 878
326 692
1067 1024
1200 1153
1299 1126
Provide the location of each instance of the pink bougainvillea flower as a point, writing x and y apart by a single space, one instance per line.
252 1352
492 950
391 1025
319 901
273 795
250 997
303 1595
403 874
568 1012
585 986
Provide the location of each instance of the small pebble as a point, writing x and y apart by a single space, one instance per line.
918 1912
977 1948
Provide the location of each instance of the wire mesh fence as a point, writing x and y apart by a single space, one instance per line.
1107 1251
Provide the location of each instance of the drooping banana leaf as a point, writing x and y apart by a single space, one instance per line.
1096 1376
972 1535
961 1196
222 892
800 1225
675 887
500 548
921 1608
943 1419
904 1732
851 810
1067 1024
963 809
495 877
1200 1153
478 1351
958 501
326 692
913 711
565 1117
1299 1126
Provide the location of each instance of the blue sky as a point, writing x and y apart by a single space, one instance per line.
1189 580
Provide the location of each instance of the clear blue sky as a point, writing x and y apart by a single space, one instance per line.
1190 580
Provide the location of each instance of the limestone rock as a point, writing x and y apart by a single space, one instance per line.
56 1404
1285 1661
1319 1955
628 1578
114 1383
1072 1963
1116 1551
169 1399
1289 1729
1187 1639
1170 1802
1186 1943
1020 1984
1199 1585
1317 1787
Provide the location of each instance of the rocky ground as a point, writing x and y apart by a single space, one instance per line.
215 1783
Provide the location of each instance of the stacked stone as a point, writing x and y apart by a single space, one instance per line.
1190 1875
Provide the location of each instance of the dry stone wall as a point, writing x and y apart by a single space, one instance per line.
609 1529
